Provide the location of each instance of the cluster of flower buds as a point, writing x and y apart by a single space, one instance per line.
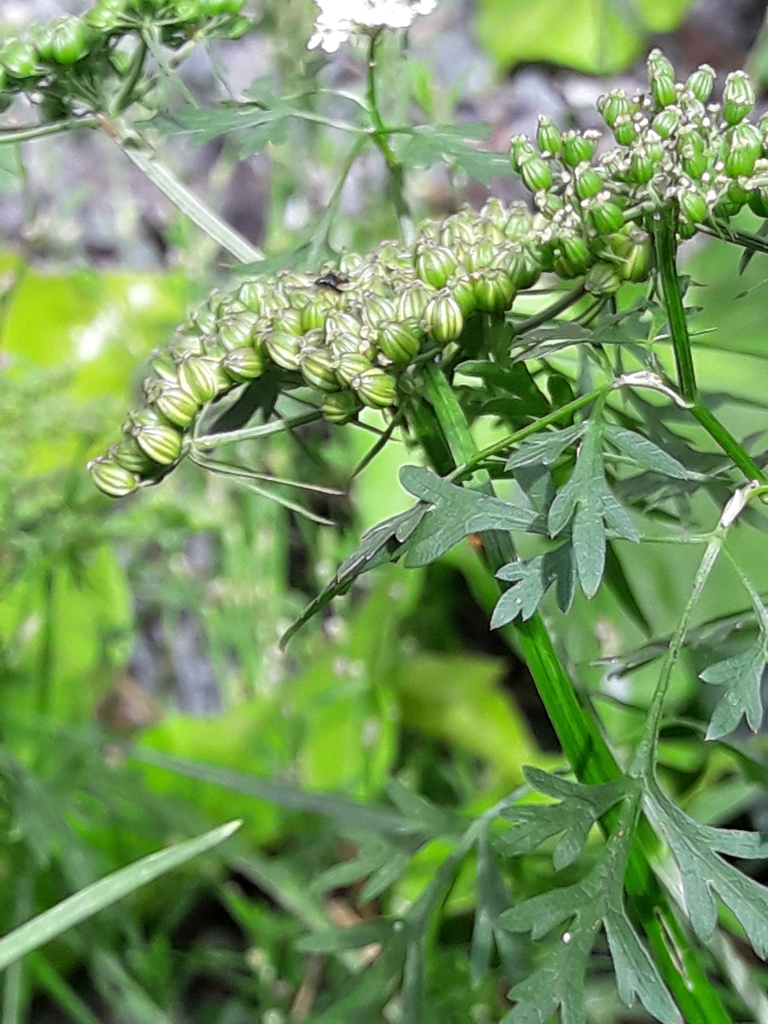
51 61
673 149
350 335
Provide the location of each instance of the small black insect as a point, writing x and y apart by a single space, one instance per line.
332 280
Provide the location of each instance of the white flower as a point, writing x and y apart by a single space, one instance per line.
338 19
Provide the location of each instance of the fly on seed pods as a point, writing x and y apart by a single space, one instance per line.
332 280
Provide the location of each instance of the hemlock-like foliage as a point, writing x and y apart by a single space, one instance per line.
451 329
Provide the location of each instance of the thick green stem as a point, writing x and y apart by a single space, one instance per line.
582 741
666 250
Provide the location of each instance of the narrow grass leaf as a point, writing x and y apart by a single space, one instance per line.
104 893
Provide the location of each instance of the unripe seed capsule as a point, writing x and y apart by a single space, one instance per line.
161 443
548 137
237 330
536 174
625 130
738 97
758 201
578 148
520 151
666 122
701 82
693 206
413 299
176 404
288 321
350 365
462 289
111 479
284 349
587 182
435 265
128 455
341 407
398 341
519 222
571 257
318 369
243 364
659 66
663 91
480 256
496 212
743 146
375 388
202 377
19 59
494 290
443 319
602 279
377 307
603 214
614 105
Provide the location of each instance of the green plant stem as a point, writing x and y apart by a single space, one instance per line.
139 152
666 251
555 309
381 138
38 131
582 741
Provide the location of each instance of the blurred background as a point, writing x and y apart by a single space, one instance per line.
156 620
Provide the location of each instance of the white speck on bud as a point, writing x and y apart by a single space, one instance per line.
338 19
567 938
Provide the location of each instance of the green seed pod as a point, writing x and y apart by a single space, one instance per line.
65 41
758 201
175 404
701 82
548 138
738 97
632 249
536 174
442 318
587 182
160 442
19 59
462 289
287 321
602 279
496 212
658 65
341 407
284 349
494 291
625 130
579 147
457 231
666 122
242 364
743 146
522 265
480 256
434 265
571 256
693 206
163 366
399 341
376 307
520 150
251 293
338 322
644 162
314 313
603 214
375 388
237 330
112 479
318 368
350 364
343 343
519 222
128 455
663 91
614 105
694 158
202 377
412 299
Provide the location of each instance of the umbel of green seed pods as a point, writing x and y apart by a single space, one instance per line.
346 337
